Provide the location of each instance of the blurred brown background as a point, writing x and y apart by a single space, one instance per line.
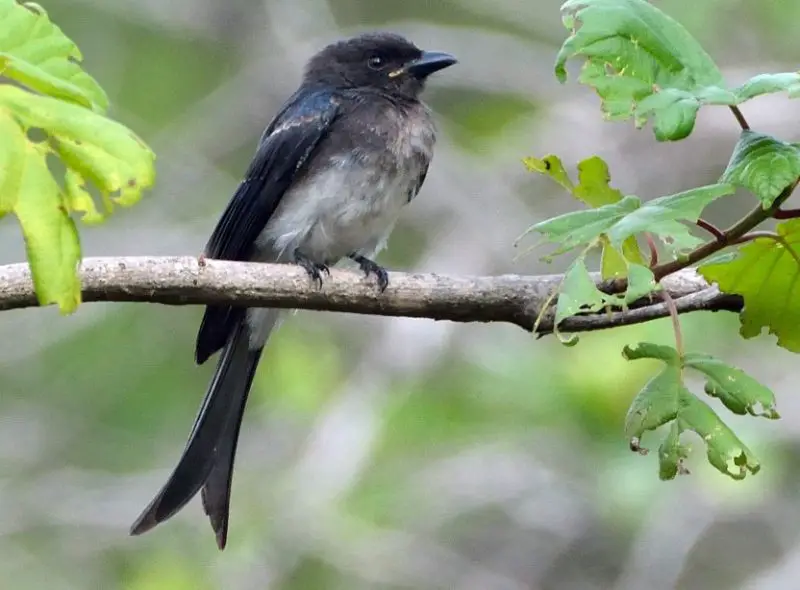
387 453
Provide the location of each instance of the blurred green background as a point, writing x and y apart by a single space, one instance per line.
387 453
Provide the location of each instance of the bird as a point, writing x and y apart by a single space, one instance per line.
329 178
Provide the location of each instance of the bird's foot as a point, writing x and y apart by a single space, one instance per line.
314 269
369 267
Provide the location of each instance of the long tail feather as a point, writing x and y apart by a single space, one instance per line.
207 459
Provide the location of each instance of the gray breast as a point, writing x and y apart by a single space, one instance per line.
352 195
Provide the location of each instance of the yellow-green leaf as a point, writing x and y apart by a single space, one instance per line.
37 54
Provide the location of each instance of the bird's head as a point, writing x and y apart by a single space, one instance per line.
379 61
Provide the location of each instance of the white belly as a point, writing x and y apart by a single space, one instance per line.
344 210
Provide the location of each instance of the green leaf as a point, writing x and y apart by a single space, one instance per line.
769 84
641 282
656 404
740 393
766 273
595 190
578 293
51 240
659 216
621 221
642 64
594 183
672 454
582 227
96 150
763 165
35 53
664 399
724 449
648 350
550 166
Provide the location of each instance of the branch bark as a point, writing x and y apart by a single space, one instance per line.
506 298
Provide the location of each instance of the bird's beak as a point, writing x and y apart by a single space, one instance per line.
428 63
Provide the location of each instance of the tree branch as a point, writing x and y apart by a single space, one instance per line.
506 298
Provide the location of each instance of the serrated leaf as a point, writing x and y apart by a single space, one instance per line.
578 293
37 54
642 64
767 275
764 165
740 393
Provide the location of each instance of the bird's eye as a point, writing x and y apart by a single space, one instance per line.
375 62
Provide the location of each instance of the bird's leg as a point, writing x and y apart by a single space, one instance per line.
370 267
314 269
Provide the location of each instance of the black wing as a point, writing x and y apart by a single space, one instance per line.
284 149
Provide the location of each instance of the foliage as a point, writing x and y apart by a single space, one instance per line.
56 111
644 65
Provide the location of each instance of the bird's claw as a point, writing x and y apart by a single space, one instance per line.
314 269
369 267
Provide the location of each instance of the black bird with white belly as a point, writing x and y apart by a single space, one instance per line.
331 174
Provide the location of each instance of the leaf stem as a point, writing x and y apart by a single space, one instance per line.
770 235
740 118
651 244
786 214
728 237
676 321
710 228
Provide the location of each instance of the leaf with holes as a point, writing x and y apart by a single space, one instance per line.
663 400
763 165
97 152
642 63
766 273
740 393
37 54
